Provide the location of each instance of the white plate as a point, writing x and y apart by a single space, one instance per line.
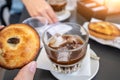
65 15
94 70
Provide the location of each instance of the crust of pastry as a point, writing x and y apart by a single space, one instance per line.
19 44
104 30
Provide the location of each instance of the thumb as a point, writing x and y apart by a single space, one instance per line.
1 26
27 72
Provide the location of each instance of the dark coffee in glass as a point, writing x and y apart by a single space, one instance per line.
66 46
57 5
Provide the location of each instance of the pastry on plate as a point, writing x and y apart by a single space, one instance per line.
19 44
103 30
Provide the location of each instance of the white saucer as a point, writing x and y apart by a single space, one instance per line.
94 70
65 15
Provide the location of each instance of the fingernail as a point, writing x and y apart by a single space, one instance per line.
32 67
2 25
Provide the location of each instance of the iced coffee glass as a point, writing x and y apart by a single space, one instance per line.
65 45
58 6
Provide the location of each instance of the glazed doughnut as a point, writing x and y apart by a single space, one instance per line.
19 44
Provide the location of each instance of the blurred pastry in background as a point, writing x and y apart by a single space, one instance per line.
103 30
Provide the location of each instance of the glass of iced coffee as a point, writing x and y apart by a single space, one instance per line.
58 5
65 45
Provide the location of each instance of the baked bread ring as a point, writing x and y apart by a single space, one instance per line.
104 30
19 44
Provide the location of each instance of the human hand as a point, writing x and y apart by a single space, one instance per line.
1 27
40 8
27 72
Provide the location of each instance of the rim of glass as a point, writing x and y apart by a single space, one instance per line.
30 18
58 0
86 41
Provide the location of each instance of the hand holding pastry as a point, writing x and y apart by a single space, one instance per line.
27 72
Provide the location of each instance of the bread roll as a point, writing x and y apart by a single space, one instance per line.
103 30
19 44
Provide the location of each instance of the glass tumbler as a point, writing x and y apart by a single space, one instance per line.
65 45
58 6
39 23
